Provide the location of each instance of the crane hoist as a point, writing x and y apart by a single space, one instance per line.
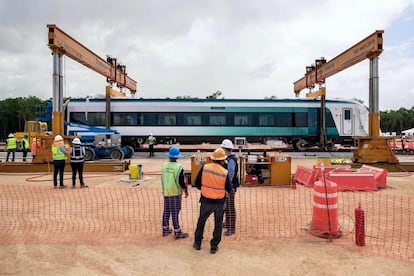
373 148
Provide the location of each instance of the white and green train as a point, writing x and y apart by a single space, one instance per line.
194 121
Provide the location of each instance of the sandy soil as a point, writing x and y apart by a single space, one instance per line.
305 256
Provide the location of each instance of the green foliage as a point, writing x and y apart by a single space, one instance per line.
215 95
15 112
397 120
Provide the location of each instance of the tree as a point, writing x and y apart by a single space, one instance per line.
215 95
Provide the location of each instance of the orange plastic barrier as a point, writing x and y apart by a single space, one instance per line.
305 176
380 175
354 181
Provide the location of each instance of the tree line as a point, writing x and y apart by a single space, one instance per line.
14 112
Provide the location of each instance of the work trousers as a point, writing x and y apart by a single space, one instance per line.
230 211
24 154
58 168
77 167
172 208
206 209
13 152
151 150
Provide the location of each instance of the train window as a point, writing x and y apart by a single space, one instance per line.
266 120
149 119
192 119
167 119
97 118
283 119
300 119
124 119
78 117
241 119
329 121
217 119
347 114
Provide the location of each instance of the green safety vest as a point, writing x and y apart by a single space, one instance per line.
57 154
11 143
25 143
170 173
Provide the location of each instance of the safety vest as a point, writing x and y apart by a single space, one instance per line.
25 143
213 181
151 140
57 153
170 173
77 154
11 143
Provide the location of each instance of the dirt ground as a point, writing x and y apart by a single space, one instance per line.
304 256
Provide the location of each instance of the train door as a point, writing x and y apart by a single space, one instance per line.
347 125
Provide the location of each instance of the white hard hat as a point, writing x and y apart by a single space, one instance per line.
76 141
227 144
58 138
11 135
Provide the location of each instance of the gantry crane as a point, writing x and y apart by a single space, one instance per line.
373 148
63 44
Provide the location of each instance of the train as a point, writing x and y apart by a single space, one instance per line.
294 121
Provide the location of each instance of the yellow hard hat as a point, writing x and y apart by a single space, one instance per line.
219 154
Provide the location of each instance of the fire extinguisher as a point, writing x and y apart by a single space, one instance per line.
359 226
293 184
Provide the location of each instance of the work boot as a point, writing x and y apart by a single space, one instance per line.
84 186
214 250
230 232
196 246
166 232
180 235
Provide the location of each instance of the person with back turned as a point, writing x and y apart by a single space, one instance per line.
11 147
173 186
151 142
213 181
59 160
77 159
231 165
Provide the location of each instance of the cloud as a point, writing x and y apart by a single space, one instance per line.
176 48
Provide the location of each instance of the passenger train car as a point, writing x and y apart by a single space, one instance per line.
194 121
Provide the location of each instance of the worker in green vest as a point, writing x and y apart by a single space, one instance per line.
25 146
151 142
59 160
11 147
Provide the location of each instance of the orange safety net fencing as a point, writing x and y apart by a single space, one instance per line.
111 215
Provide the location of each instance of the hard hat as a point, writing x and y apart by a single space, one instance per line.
227 144
151 134
58 138
174 152
25 136
219 154
76 141
11 135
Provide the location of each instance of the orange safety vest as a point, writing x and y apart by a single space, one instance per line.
213 181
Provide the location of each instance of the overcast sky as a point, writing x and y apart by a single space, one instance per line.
245 49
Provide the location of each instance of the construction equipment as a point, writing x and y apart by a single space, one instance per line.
62 44
374 148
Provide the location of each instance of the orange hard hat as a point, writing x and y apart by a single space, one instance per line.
219 154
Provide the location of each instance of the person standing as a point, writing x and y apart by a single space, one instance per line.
77 159
151 142
25 146
59 160
232 167
34 147
173 186
213 181
11 147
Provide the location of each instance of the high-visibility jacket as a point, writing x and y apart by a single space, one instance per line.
77 154
170 173
57 153
213 181
25 143
11 143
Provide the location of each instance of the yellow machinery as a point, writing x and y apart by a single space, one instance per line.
371 149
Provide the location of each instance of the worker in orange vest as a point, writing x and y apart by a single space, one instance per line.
213 180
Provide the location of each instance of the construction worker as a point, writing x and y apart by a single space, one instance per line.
77 159
213 181
59 160
11 147
151 142
25 146
173 186
34 147
231 166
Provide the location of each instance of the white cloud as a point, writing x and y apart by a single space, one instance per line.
175 48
